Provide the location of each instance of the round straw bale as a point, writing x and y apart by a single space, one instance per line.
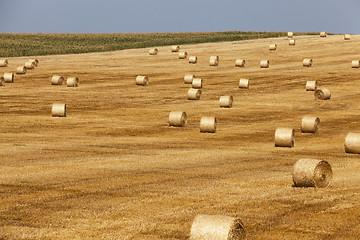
3 62
58 110
9 77
2 81
142 80
292 42
226 101
272 46
193 59
175 48
36 61
21 70
307 62
194 94
310 124
290 34
311 173
322 94
355 64
239 63
214 60
244 83
323 34
72 82
57 80
284 137
189 78
217 227
264 63
352 143
347 36
177 118
197 83
153 51
182 55
208 124
311 85
30 65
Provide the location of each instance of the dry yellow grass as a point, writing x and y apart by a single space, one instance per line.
114 169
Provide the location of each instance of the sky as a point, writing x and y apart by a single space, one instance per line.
146 16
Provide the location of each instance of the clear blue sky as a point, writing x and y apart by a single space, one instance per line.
134 16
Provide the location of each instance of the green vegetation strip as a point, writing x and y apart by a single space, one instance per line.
20 44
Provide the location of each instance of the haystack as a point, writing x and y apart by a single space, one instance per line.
3 62
21 70
177 119
142 80
310 124
189 78
72 82
193 59
284 137
312 173
217 227
8 77
244 83
352 143
57 80
194 94
197 83
58 110
322 94
264 63
182 55
311 85
175 48
208 124
153 51
239 63
307 62
226 101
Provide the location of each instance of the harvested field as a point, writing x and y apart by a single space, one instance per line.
114 169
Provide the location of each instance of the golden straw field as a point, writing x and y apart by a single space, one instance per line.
114 169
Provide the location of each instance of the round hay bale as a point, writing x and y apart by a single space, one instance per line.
142 80
189 78
307 62
217 227
193 59
72 82
3 62
240 63
292 42
310 124
323 34
177 119
2 81
312 173
21 70
272 47
284 137
194 94
197 83
30 65
347 36
244 83
355 64
322 94
182 55
214 60
311 85
208 124
57 80
352 143
175 48
290 34
264 63
58 110
8 77
153 51
35 61
226 101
